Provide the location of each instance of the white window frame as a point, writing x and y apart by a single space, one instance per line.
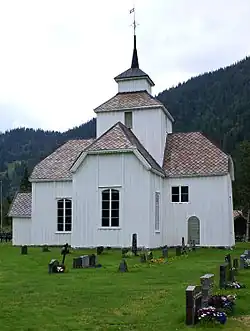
110 208
64 215
130 120
157 202
180 194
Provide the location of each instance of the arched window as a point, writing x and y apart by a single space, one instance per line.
110 208
64 215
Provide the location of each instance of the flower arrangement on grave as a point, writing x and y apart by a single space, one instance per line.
211 314
247 263
224 302
235 285
160 260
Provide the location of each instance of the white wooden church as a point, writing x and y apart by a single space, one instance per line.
137 176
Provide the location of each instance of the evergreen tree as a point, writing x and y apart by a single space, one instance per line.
25 185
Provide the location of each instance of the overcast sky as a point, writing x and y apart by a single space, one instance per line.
58 57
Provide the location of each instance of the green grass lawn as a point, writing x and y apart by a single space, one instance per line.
148 297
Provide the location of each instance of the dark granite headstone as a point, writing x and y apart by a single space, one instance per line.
53 266
247 253
99 250
45 248
143 258
242 261
134 244
223 275
24 250
92 260
207 282
228 260
165 252
193 303
123 267
77 262
193 245
178 251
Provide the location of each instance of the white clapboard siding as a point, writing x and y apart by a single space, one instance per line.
21 231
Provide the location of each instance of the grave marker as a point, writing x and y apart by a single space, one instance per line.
123 267
134 244
165 252
207 282
53 266
223 275
99 250
92 260
24 250
45 249
77 262
178 251
143 258
242 261
193 303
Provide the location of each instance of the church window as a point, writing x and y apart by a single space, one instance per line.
110 208
128 119
180 194
64 215
157 211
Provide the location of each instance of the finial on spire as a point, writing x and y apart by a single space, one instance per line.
135 62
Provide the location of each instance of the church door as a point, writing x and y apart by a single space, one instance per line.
194 229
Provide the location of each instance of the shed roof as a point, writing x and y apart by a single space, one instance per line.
21 205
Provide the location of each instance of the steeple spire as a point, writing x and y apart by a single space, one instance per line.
135 62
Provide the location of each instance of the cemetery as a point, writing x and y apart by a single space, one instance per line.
46 288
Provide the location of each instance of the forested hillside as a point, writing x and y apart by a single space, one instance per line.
216 103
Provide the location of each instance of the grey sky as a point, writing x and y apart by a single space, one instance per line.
58 57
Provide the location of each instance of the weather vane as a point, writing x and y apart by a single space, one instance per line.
134 24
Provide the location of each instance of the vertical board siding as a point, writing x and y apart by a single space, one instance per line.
121 171
21 231
134 85
44 212
209 201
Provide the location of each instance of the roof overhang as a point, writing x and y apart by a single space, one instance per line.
145 163
123 79
39 180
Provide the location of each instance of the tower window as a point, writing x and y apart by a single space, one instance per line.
128 119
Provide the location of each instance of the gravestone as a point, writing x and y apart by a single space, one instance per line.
236 265
24 250
178 251
183 247
134 244
165 252
53 266
92 260
123 267
207 283
85 261
99 250
228 260
45 249
223 275
77 262
193 303
143 258
242 261
193 245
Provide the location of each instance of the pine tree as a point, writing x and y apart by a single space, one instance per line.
25 185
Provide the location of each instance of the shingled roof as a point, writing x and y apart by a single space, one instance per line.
129 100
119 138
57 165
21 205
192 154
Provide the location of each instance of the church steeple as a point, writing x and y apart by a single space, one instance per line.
135 62
134 79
